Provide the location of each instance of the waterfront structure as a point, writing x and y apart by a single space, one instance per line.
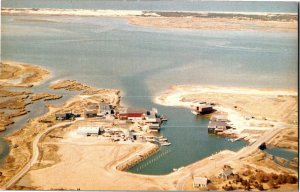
89 131
151 116
216 126
201 109
200 182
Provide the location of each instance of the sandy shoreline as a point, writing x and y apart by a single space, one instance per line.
17 74
250 111
241 21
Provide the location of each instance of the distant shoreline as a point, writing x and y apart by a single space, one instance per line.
237 21
109 12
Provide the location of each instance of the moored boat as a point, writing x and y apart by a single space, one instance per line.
165 143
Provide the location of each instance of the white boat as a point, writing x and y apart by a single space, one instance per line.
165 144
163 139
195 112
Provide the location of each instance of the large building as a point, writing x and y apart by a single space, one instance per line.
202 109
89 131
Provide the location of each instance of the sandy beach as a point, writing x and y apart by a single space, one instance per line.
239 21
21 74
250 111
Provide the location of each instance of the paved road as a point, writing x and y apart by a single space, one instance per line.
244 152
35 155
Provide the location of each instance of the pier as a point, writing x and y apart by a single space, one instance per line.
152 160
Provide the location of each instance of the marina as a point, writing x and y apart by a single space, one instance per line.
122 67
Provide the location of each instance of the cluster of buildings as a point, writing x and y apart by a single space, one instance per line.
201 182
121 134
218 123
110 112
150 117
139 123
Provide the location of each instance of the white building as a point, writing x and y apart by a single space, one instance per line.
200 182
88 131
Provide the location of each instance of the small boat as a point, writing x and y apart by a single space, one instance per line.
195 112
163 139
163 118
165 144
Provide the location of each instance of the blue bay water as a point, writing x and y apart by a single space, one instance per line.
141 62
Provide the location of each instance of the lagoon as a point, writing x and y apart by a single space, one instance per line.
141 62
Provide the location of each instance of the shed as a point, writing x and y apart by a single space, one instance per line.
60 117
227 171
89 131
64 116
200 182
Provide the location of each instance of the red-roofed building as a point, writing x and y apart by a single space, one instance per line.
132 116
135 116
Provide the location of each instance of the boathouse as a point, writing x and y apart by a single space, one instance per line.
202 109
200 182
216 126
151 116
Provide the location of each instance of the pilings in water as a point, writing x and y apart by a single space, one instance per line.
152 160
138 158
